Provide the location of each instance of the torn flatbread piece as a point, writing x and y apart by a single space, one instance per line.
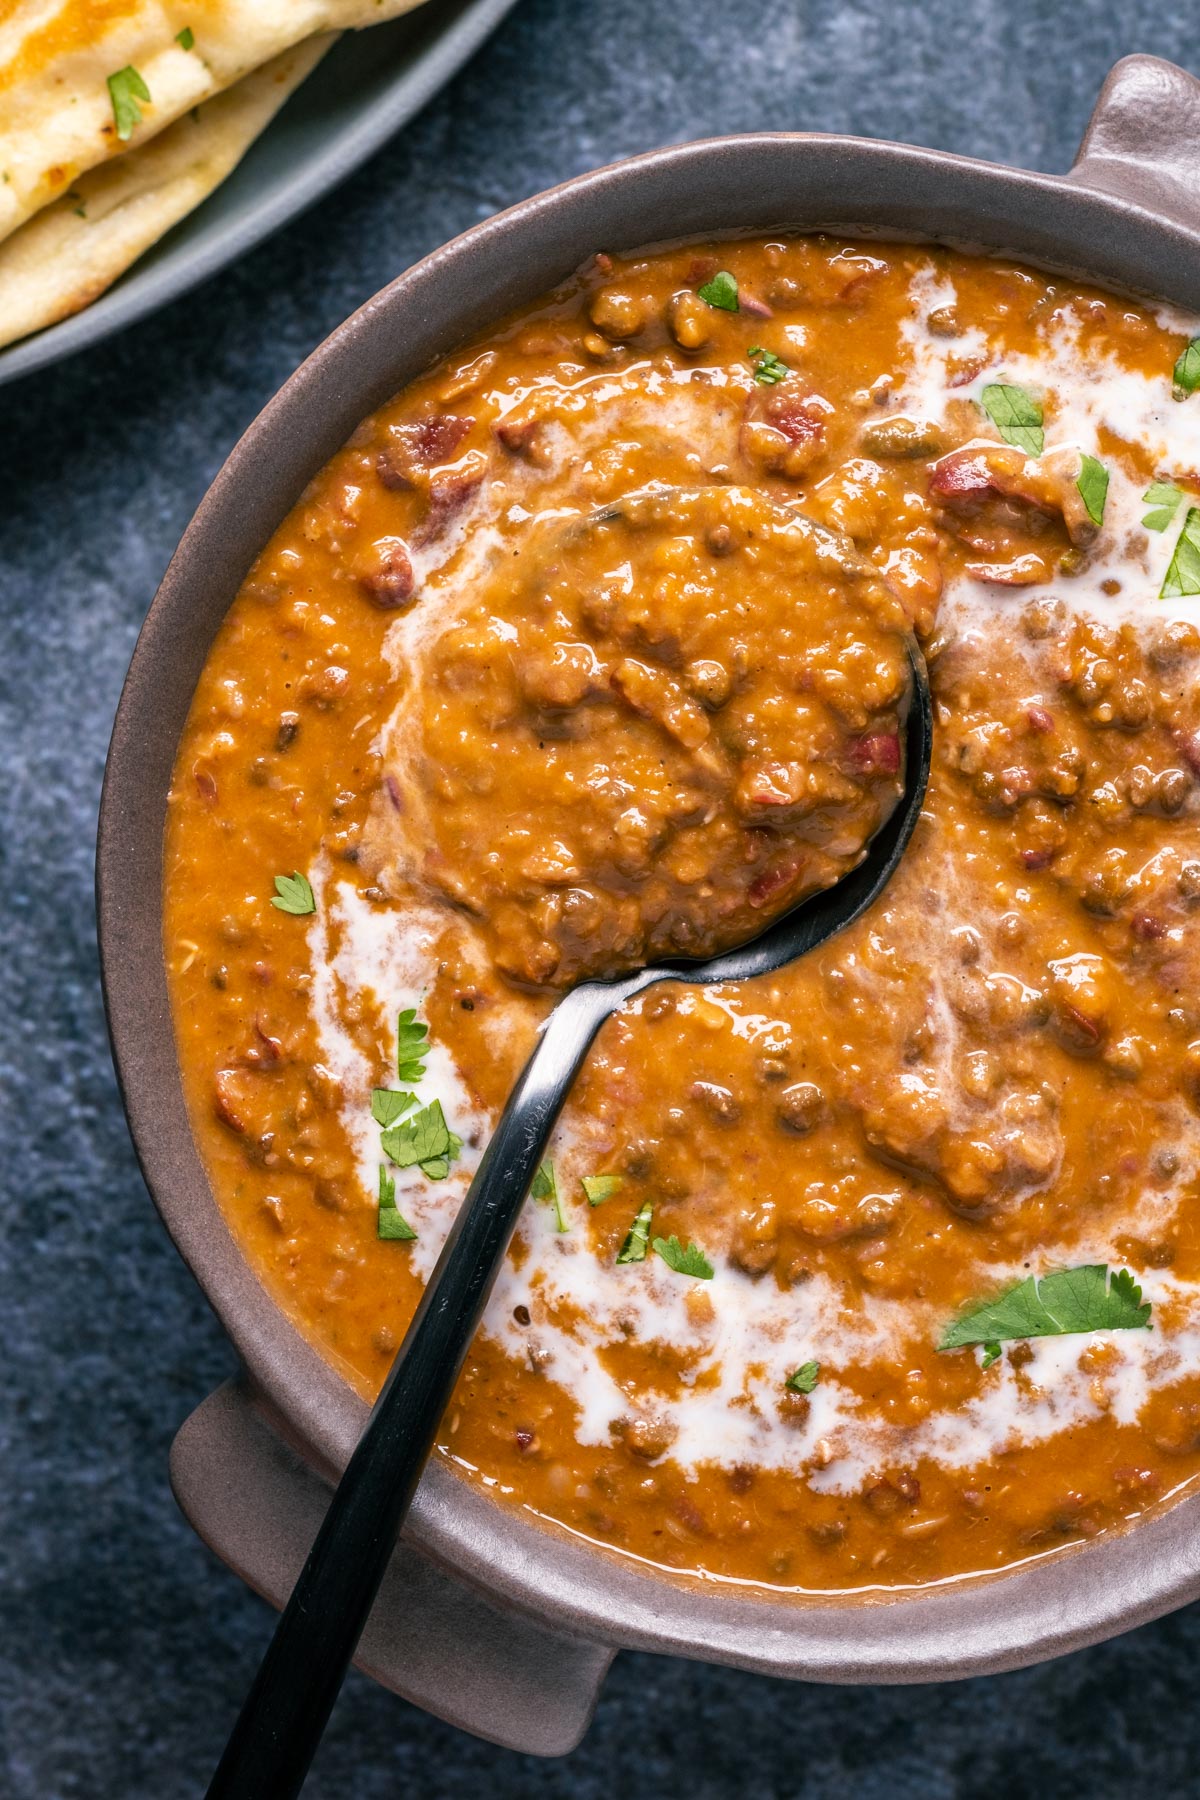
65 257
83 81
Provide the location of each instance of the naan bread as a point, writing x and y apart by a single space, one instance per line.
56 113
61 260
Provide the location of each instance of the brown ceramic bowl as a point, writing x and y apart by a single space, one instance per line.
486 1618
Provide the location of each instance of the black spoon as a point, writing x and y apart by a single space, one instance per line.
285 1713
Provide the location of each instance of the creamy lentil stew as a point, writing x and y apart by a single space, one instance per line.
643 741
873 1273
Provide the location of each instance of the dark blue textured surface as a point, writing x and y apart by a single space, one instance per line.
124 1648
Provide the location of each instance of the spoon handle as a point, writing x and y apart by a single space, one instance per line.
280 1725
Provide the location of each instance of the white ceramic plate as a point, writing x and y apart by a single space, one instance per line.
369 85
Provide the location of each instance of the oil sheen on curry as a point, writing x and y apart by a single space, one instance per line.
589 649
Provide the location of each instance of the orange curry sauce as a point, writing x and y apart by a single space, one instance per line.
506 745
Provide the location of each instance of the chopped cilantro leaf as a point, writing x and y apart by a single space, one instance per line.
691 1261
1183 570
991 1354
125 89
804 1379
1089 1298
545 1187
185 38
768 369
599 1188
1016 416
411 1046
294 895
1093 488
1162 497
392 1223
1187 370
638 1237
387 1105
721 291
424 1139
436 1168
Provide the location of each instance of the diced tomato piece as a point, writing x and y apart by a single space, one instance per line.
771 880
874 753
389 582
959 477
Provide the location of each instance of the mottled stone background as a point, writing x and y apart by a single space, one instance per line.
124 1648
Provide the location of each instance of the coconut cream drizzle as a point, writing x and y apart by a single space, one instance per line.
755 1333
752 1333
1084 391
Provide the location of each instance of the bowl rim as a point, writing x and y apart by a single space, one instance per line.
710 188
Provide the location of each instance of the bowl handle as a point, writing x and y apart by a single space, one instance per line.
1141 139
431 1638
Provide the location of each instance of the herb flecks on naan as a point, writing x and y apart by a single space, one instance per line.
57 116
74 249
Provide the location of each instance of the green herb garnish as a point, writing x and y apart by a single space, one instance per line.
1090 1298
125 89
804 1379
294 895
991 1354
1093 488
768 369
1162 497
185 38
600 1188
691 1261
392 1223
1183 570
1186 378
411 1046
638 1237
1016 416
545 1187
721 291
425 1140
388 1105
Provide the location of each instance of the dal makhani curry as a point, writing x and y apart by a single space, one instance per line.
590 648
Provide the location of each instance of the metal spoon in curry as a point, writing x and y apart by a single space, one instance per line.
830 878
